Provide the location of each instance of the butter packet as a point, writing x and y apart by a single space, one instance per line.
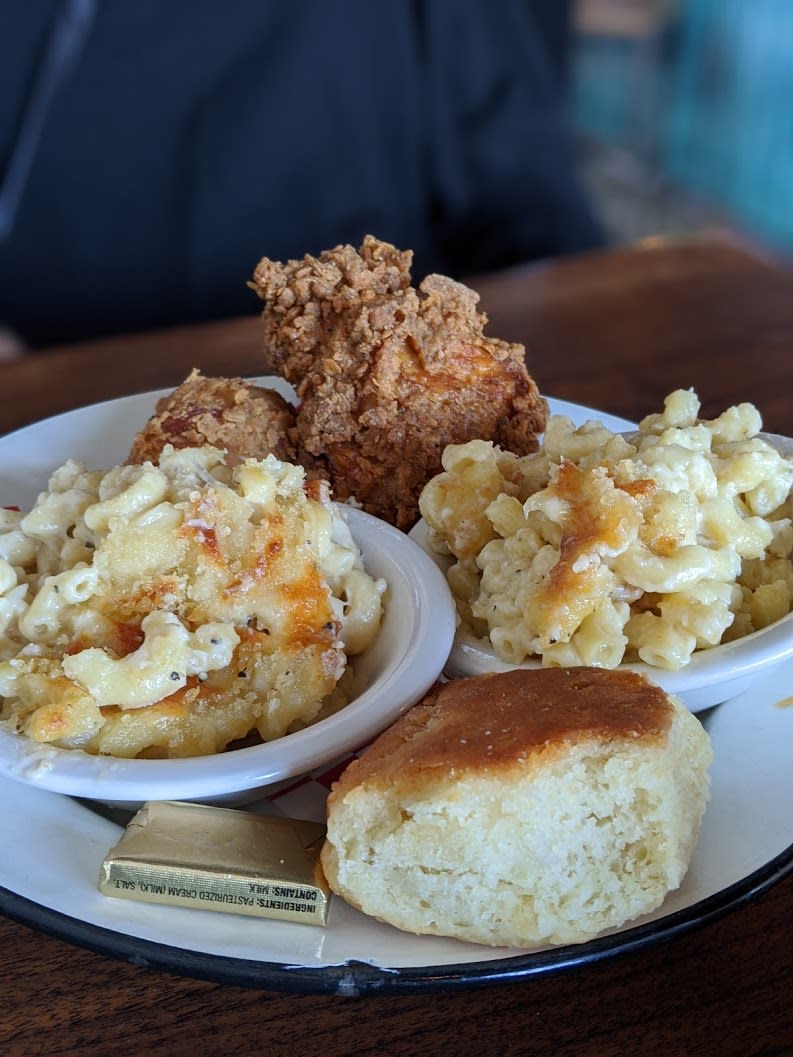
213 858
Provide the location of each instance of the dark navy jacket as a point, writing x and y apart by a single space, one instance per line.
152 150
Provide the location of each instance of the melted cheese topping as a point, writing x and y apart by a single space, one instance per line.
172 609
602 548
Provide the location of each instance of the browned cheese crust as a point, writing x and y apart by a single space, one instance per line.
388 374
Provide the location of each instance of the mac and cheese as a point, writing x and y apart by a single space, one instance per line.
604 547
170 610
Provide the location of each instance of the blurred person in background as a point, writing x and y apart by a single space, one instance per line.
151 153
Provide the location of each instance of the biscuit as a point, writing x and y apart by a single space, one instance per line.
522 808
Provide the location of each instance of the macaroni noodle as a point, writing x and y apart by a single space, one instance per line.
603 547
170 610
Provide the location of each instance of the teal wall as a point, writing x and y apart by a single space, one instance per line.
709 102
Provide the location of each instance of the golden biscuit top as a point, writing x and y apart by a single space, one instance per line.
504 720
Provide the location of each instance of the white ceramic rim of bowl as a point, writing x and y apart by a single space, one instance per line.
416 586
710 677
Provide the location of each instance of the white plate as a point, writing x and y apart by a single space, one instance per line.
50 880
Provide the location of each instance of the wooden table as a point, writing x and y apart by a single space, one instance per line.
613 330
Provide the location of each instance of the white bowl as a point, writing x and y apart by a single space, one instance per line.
711 676
406 658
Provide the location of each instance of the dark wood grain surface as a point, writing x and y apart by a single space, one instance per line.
615 331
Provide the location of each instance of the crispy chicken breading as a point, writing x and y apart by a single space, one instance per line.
228 413
387 374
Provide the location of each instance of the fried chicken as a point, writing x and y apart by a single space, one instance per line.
387 375
228 413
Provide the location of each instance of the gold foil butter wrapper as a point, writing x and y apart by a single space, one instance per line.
220 859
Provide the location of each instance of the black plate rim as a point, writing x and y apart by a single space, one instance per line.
355 979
